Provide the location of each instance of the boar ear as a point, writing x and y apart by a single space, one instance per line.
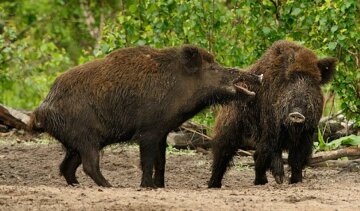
327 68
285 55
191 58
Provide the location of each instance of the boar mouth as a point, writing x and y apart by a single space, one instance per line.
241 85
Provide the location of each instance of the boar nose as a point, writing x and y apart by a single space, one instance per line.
296 117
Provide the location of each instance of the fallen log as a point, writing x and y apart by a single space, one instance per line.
12 118
319 159
337 163
187 140
335 154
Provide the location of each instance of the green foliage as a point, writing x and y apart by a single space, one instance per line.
351 140
206 118
28 68
321 145
171 150
40 39
240 33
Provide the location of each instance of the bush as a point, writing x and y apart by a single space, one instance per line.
237 32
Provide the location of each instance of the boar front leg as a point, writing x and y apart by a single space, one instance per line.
262 161
299 154
277 167
266 151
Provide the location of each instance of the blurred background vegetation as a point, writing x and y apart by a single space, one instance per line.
40 39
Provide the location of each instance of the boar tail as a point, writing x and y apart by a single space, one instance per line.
34 124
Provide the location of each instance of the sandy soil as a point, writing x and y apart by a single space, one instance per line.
29 180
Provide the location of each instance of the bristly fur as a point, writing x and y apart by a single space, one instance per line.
137 94
292 76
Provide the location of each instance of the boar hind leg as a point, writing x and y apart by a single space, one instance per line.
159 180
90 160
223 153
69 165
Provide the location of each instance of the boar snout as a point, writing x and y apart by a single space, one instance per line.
296 117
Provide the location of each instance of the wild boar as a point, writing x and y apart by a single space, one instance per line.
283 115
138 93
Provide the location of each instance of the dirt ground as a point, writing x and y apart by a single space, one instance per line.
29 180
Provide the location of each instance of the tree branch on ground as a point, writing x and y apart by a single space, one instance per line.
13 118
335 154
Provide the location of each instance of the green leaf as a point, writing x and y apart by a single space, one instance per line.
322 144
352 140
141 42
133 8
332 45
334 144
341 37
334 28
105 48
266 30
296 11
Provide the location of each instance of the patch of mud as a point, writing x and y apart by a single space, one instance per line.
29 179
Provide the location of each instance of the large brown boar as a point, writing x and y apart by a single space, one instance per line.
283 116
133 94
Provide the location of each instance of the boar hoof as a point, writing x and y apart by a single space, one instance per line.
214 185
261 181
148 185
294 180
159 184
279 179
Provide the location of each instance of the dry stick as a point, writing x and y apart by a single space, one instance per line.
194 131
321 157
200 125
332 155
325 119
245 153
335 163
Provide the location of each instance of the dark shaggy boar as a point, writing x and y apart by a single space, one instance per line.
283 116
133 94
